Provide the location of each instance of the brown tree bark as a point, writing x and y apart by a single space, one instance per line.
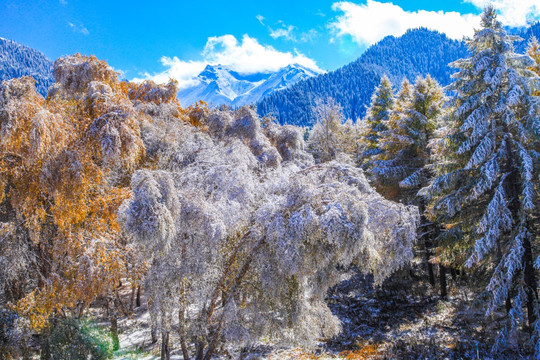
181 324
132 299
113 318
428 253
530 282
442 281
165 349
138 299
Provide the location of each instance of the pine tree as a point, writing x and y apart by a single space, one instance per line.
401 168
486 191
534 52
378 114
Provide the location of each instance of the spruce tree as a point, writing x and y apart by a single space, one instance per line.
401 164
378 114
533 50
486 192
401 168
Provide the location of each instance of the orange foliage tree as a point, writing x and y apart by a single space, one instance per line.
65 165
533 50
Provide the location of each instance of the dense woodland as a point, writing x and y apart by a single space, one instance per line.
419 52
217 233
17 60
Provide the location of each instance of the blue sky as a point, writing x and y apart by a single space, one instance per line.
159 39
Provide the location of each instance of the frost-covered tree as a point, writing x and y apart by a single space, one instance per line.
65 164
378 114
487 191
380 165
401 169
402 162
244 234
533 51
330 135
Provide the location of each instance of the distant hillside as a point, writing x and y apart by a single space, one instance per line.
533 30
417 52
219 85
18 60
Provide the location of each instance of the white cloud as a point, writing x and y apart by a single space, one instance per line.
371 22
183 71
284 32
247 56
513 12
309 35
79 28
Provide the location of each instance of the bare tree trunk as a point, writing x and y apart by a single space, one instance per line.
200 350
213 343
119 303
181 324
82 306
429 265
113 318
153 326
138 300
428 244
530 282
442 281
165 350
132 299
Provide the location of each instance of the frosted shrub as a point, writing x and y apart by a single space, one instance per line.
244 244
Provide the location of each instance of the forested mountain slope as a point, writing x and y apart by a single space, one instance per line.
417 52
526 34
17 60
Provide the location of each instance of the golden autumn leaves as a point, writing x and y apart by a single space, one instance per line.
65 165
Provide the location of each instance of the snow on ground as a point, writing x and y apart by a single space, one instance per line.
392 322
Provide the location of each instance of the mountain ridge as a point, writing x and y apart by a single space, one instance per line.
220 85
418 52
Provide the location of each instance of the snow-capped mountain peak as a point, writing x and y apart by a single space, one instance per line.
218 84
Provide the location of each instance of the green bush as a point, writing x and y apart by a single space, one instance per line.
72 339
9 348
